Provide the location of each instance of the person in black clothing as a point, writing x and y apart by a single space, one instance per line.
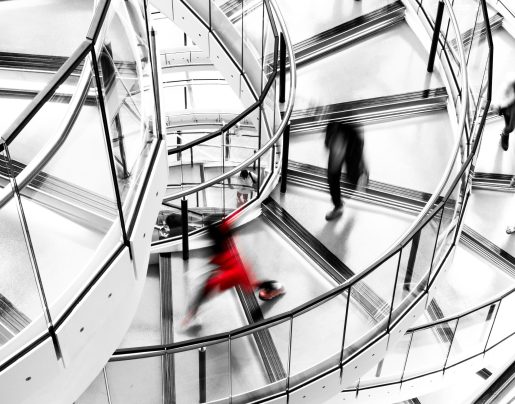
505 106
345 143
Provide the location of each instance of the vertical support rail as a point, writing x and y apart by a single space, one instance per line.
184 219
286 150
202 384
179 142
155 82
227 145
436 35
282 68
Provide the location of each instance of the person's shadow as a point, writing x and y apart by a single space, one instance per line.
342 236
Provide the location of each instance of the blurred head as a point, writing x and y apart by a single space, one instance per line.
173 220
219 234
244 174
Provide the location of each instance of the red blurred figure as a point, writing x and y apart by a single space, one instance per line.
230 272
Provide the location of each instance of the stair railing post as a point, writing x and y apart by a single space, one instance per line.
184 219
282 68
436 35
286 150
202 385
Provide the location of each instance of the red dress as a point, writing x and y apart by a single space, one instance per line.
232 272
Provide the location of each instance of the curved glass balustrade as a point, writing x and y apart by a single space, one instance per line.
70 189
304 357
440 345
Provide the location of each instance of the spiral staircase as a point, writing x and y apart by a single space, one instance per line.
371 312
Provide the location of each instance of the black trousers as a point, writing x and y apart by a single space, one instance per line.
508 114
333 179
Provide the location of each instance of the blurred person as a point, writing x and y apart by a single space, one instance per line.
229 272
505 106
345 143
171 226
245 183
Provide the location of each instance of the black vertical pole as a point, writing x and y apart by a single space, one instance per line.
227 145
179 142
286 149
184 218
202 375
282 68
436 35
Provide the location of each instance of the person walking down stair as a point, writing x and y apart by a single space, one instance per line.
345 143
505 106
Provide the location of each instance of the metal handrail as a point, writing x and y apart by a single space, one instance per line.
463 313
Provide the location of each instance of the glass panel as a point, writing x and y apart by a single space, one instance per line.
452 208
37 38
370 304
270 45
186 376
20 303
43 126
201 7
145 329
260 359
253 42
428 350
136 381
390 368
127 89
96 393
504 325
265 166
270 109
277 118
218 376
466 13
478 64
471 334
226 22
450 50
317 339
416 259
70 206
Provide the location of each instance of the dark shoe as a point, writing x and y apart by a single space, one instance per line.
505 141
510 229
269 294
334 214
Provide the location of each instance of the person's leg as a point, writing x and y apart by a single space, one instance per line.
505 112
333 179
204 292
509 119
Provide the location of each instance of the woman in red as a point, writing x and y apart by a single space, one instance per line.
229 272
